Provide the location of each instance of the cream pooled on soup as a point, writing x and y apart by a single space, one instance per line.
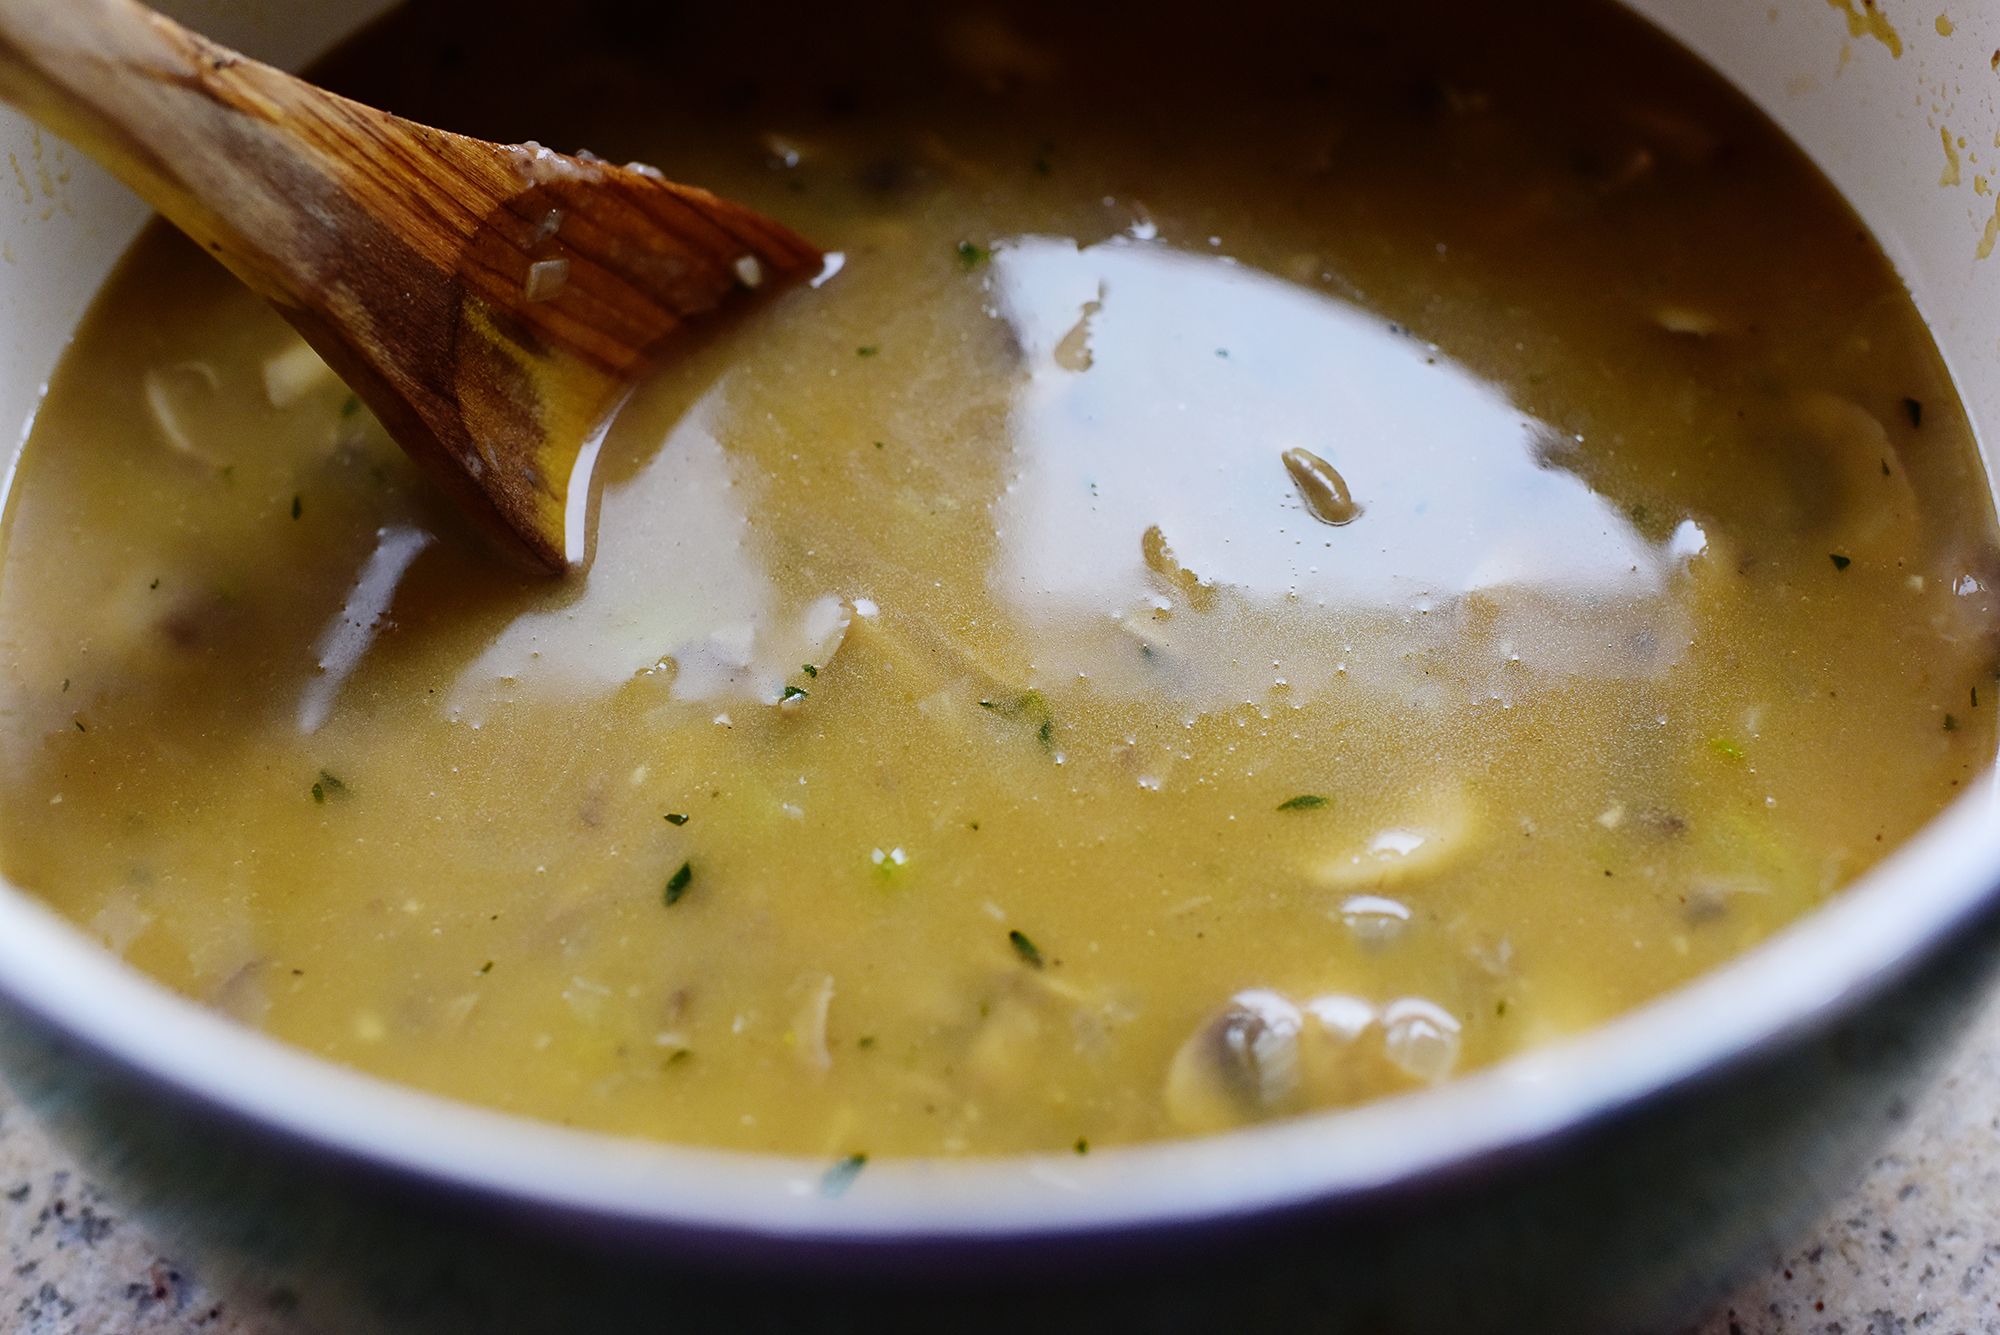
1275 565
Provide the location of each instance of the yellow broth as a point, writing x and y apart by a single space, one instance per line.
1291 558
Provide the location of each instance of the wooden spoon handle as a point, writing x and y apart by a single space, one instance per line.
488 302
182 122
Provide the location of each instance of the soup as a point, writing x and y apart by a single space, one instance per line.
1275 564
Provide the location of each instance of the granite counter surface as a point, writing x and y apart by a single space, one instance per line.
1914 1248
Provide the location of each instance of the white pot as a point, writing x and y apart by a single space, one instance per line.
1893 961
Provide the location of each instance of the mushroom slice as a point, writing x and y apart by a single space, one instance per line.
1375 920
1439 832
1239 1065
1850 478
168 390
1421 1038
1343 1058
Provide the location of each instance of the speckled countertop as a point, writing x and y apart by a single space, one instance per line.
1916 1248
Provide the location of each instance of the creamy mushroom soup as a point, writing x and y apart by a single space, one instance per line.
1278 562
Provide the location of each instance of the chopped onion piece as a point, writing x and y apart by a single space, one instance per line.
291 375
545 279
809 1024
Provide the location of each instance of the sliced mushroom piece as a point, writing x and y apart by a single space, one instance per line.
1321 487
1375 920
1344 1057
1420 1038
1240 1065
1848 478
168 393
1441 830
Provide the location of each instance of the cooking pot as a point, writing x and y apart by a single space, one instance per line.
1620 1180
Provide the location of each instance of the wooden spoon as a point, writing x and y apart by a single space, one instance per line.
490 304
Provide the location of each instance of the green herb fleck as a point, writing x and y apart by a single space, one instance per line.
677 884
79 725
1030 954
677 818
1914 410
792 693
328 786
676 1057
66 687
878 444
1031 707
971 256
1975 695
809 669
1082 1145
840 1177
1950 723
865 1042
867 350
1840 562
1222 352
1500 1007
486 968
298 505
352 406
1303 802
154 585
1726 748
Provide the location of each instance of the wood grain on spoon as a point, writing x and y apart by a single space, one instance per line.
489 303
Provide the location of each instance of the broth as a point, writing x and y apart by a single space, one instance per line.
1286 562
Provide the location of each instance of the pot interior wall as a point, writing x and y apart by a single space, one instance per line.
1874 92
